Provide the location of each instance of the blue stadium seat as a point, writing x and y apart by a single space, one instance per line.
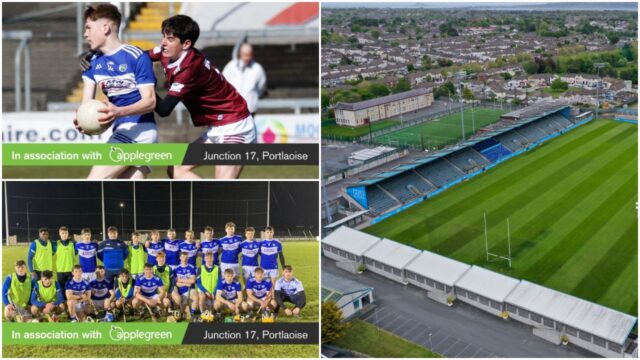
439 172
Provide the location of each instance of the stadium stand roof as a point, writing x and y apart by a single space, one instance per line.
367 154
437 267
392 253
351 240
345 219
381 100
335 287
487 283
575 312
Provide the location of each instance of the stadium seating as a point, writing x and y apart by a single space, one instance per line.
512 140
561 120
467 159
400 186
378 200
496 152
531 132
439 172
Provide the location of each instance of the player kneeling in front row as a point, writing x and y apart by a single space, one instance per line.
183 294
289 289
102 294
16 291
46 297
78 296
163 271
124 292
259 294
148 292
207 283
229 295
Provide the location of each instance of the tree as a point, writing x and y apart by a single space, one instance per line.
402 86
507 75
627 52
558 85
324 99
332 326
410 68
467 94
379 89
426 62
375 33
531 67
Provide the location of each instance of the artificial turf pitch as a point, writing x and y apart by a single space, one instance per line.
572 209
446 130
302 255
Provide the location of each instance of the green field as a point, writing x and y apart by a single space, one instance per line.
438 133
302 255
360 336
160 172
572 210
332 131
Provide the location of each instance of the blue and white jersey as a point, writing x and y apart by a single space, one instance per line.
78 287
250 251
289 287
260 288
230 249
100 289
120 75
191 249
153 250
210 246
184 272
269 250
172 250
148 287
229 290
87 256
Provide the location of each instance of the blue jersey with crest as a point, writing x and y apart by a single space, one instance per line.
229 290
184 272
250 251
148 287
87 256
100 289
260 288
191 249
210 246
153 250
78 287
119 75
269 250
230 249
172 251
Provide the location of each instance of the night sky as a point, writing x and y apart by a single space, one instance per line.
77 204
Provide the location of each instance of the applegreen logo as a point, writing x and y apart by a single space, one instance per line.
116 154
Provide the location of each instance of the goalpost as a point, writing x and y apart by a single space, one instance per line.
497 257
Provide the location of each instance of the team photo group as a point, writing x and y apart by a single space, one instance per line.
150 278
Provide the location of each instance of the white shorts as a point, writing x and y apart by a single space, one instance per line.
133 133
185 299
88 277
23 311
248 271
99 304
208 301
241 132
153 297
225 266
80 307
272 273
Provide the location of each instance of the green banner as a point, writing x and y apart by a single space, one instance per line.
92 154
93 333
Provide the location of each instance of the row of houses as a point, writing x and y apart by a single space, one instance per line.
553 315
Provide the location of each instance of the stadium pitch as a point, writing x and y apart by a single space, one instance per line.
446 130
572 205
305 269
160 172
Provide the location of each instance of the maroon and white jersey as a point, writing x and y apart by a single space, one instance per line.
206 94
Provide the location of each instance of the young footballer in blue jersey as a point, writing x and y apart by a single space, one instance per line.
78 295
207 283
270 252
125 74
87 255
148 291
46 297
229 294
40 254
250 249
113 253
289 289
210 245
189 246
124 290
16 293
172 249
230 245
183 290
102 293
259 292
154 246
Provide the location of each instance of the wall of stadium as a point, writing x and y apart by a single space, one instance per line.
382 111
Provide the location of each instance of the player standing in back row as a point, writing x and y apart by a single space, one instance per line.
210 99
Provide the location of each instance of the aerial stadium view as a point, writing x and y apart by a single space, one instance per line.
523 226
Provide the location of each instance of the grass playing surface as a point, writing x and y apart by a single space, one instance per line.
160 172
572 209
303 256
446 130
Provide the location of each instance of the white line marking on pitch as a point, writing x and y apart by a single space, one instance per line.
450 346
403 324
463 350
439 342
474 354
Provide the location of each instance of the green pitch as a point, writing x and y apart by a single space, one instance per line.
302 255
572 209
330 130
160 172
446 130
